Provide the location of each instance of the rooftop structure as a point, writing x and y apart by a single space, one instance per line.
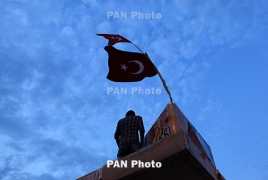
173 149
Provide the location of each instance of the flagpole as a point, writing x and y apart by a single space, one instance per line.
160 76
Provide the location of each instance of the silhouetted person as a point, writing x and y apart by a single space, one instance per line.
126 134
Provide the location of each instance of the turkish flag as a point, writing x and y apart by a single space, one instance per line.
114 38
128 66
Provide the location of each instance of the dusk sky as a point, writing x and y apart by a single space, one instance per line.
58 114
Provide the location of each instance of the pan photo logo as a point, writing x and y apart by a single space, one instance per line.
132 15
133 90
133 164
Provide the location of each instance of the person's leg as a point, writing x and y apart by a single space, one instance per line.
134 147
123 151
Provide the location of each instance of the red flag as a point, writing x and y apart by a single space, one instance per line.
128 66
114 38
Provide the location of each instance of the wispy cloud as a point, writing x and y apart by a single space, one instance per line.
54 105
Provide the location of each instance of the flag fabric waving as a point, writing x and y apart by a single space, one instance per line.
128 66
114 38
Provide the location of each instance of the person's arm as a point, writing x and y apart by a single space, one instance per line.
141 128
141 137
116 135
117 141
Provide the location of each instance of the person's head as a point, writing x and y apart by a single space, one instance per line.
130 113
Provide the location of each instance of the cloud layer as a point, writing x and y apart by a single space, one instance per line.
57 118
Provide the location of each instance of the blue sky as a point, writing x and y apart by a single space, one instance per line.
57 119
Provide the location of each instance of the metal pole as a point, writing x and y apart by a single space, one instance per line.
162 79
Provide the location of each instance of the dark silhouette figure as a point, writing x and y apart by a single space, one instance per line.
126 134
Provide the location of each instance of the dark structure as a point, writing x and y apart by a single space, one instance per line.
176 144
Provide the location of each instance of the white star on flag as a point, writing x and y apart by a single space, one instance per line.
124 67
